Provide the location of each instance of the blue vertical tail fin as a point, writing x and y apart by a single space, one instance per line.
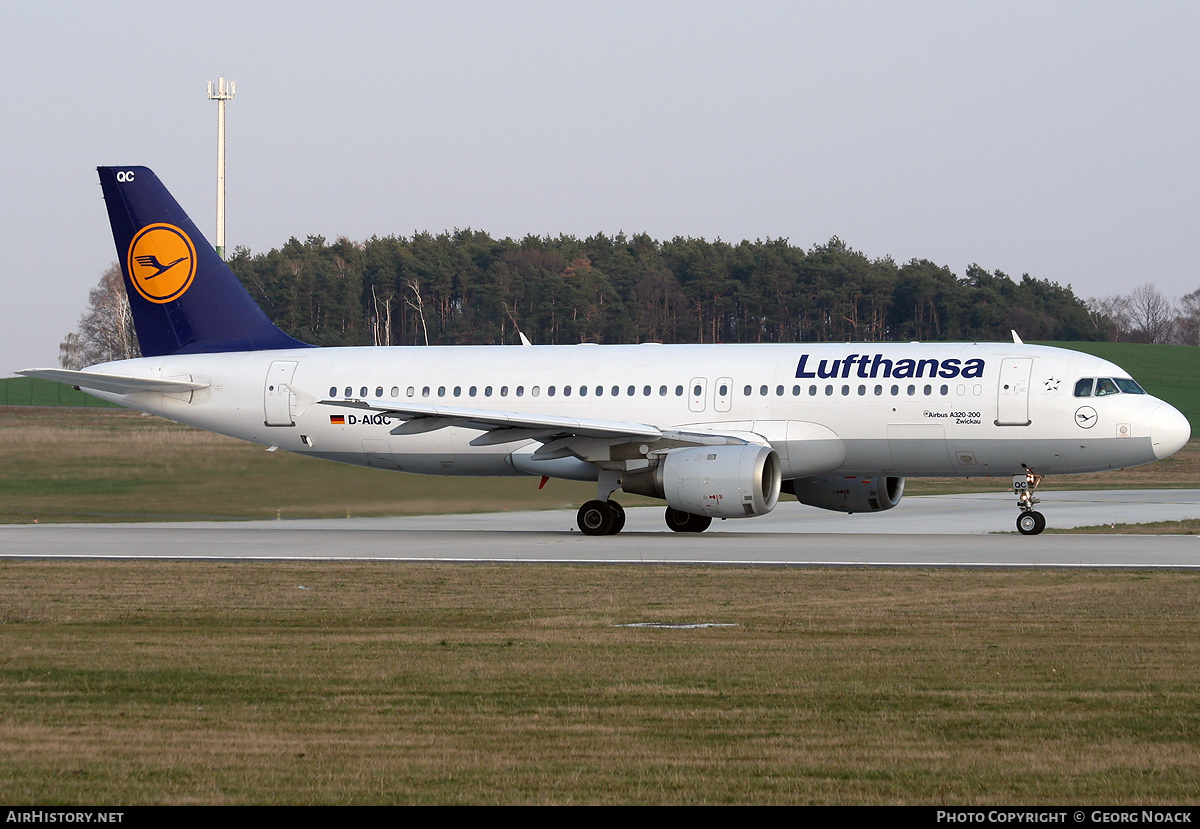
184 298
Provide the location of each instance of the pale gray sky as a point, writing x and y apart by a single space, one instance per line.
1058 139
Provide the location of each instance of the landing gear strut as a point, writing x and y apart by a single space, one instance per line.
1030 521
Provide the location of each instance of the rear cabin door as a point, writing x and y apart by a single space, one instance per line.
277 393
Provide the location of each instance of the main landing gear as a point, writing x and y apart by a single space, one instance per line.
608 518
685 522
1030 521
601 518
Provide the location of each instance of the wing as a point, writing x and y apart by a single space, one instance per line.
598 441
114 383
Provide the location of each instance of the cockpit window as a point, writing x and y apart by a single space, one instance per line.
1106 385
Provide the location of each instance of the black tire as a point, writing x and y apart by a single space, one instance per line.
1041 523
595 518
1031 523
685 522
618 512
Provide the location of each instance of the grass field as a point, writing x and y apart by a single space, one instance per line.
28 391
142 682
65 465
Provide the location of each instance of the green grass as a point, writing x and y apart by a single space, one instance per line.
354 683
30 391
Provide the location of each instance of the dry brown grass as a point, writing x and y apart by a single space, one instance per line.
89 465
142 682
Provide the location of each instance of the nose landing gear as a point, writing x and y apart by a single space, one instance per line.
1030 521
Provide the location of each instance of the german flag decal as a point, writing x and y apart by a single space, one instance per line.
337 420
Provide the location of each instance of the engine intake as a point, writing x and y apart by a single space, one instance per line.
720 481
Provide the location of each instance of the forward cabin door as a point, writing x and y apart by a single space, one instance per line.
277 393
1012 398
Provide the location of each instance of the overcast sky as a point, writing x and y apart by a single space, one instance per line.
1056 139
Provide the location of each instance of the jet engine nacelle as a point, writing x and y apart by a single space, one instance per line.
719 481
848 493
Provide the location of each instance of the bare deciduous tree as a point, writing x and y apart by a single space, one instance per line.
418 305
106 327
1151 315
1189 319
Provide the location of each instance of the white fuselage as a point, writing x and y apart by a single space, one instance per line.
904 409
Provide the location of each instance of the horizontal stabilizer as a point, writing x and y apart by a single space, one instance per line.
113 383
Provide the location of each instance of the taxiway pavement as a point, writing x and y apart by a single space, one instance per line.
952 530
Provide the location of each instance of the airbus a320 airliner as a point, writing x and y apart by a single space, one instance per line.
716 431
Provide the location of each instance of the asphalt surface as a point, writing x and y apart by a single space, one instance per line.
953 530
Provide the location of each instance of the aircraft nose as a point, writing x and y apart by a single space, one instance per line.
1169 431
